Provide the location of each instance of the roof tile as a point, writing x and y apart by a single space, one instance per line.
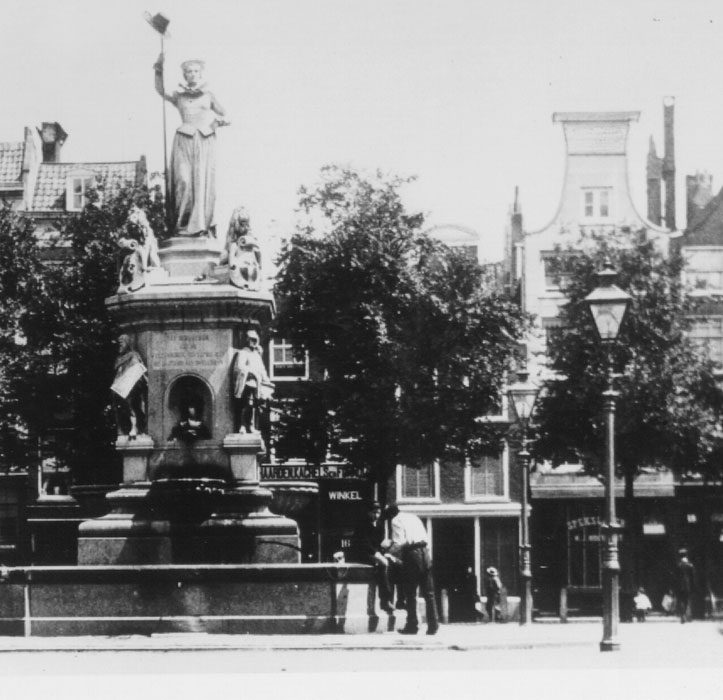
11 163
52 177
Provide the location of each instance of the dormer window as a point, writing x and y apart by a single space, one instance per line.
596 203
78 184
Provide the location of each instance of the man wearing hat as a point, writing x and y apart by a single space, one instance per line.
685 575
367 549
409 544
493 591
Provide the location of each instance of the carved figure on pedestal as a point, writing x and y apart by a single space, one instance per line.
192 188
191 427
251 383
242 253
138 252
130 386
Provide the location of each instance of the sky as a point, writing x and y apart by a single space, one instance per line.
458 93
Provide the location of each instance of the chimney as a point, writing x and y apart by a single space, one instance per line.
654 173
698 191
52 138
515 238
669 161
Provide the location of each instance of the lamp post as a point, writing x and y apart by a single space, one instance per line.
522 396
608 304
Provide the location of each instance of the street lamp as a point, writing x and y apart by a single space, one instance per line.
522 395
608 304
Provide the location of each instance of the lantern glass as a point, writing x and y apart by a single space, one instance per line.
522 396
608 304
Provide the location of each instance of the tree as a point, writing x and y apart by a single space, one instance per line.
669 406
413 344
57 342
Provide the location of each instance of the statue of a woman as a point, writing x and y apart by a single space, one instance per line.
192 186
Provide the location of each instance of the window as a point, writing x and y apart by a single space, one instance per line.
8 523
286 363
707 334
558 267
418 483
596 203
704 268
554 330
486 476
584 550
78 184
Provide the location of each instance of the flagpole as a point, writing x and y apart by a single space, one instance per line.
160 23
166 200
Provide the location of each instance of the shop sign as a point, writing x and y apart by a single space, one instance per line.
589 521
310 472
653 529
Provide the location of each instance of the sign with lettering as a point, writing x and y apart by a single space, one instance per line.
588 521
310 472
186 350
344 496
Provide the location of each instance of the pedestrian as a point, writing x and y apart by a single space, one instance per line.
642 605
685 580
367 549
409 544
668 602
493 591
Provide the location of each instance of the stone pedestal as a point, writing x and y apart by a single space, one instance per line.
136 453
185 256
189 501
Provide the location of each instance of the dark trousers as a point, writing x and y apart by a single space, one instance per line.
685 608
417 574
384 586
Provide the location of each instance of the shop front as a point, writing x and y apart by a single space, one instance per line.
568 539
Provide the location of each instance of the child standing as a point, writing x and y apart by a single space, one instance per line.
642 605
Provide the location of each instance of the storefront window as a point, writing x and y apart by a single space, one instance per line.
584 551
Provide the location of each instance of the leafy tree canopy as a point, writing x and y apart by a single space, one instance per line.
669 405
412 341
57 342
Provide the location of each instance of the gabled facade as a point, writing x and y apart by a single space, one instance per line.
595 197
567 505
34 180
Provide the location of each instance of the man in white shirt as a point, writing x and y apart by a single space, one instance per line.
409 544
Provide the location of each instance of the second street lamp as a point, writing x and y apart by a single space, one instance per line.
608 304
522 395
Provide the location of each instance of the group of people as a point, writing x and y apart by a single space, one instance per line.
396 543
400 556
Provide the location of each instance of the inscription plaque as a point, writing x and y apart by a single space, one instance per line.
186 350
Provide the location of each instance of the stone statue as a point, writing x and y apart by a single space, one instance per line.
130 386
138 252
242 253
192 187
251 383
191 427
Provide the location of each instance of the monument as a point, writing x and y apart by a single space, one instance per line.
190 378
